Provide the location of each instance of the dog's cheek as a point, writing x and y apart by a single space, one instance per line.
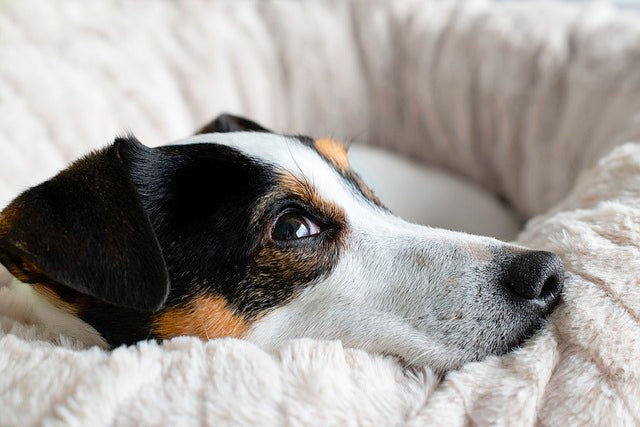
205 316
273 278
277 275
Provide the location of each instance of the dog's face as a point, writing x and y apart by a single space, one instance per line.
266 237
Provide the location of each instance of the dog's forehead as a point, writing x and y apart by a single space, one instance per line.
321 162
291 153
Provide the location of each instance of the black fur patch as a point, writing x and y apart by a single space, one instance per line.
230 123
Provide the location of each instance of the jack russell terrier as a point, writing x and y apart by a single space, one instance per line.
240 232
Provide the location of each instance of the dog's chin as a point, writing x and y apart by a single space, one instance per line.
469 352
515 338
517 342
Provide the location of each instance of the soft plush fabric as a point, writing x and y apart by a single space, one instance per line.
519 97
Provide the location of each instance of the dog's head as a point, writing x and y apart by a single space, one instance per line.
241 232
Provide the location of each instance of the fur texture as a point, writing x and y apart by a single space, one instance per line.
539 93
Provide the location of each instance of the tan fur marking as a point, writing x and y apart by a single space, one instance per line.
7 217
203 316
334 152
337 155
54 299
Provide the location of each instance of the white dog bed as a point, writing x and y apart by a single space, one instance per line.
518 97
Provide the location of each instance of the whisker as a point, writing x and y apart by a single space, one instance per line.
418 357
306 183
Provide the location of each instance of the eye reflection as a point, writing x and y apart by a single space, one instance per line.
293 226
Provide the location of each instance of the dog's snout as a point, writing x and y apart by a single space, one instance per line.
535 275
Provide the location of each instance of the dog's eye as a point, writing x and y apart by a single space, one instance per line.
293 226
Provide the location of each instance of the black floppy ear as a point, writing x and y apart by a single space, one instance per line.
86 229
230 123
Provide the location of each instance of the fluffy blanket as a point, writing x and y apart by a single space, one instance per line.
518 97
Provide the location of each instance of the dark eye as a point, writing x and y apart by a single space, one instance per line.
293 226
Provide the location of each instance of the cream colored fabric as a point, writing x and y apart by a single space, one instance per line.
519 97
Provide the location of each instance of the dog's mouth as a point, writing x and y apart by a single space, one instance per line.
539 324
478 336
536 323
534 317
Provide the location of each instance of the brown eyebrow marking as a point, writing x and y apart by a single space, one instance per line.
204 316
334 152
307 193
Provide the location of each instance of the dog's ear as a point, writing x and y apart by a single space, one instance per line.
86 229
230 123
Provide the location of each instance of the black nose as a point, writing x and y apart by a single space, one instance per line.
535 275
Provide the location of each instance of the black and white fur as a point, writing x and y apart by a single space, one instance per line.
129 242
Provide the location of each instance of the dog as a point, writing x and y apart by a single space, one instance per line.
241 232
